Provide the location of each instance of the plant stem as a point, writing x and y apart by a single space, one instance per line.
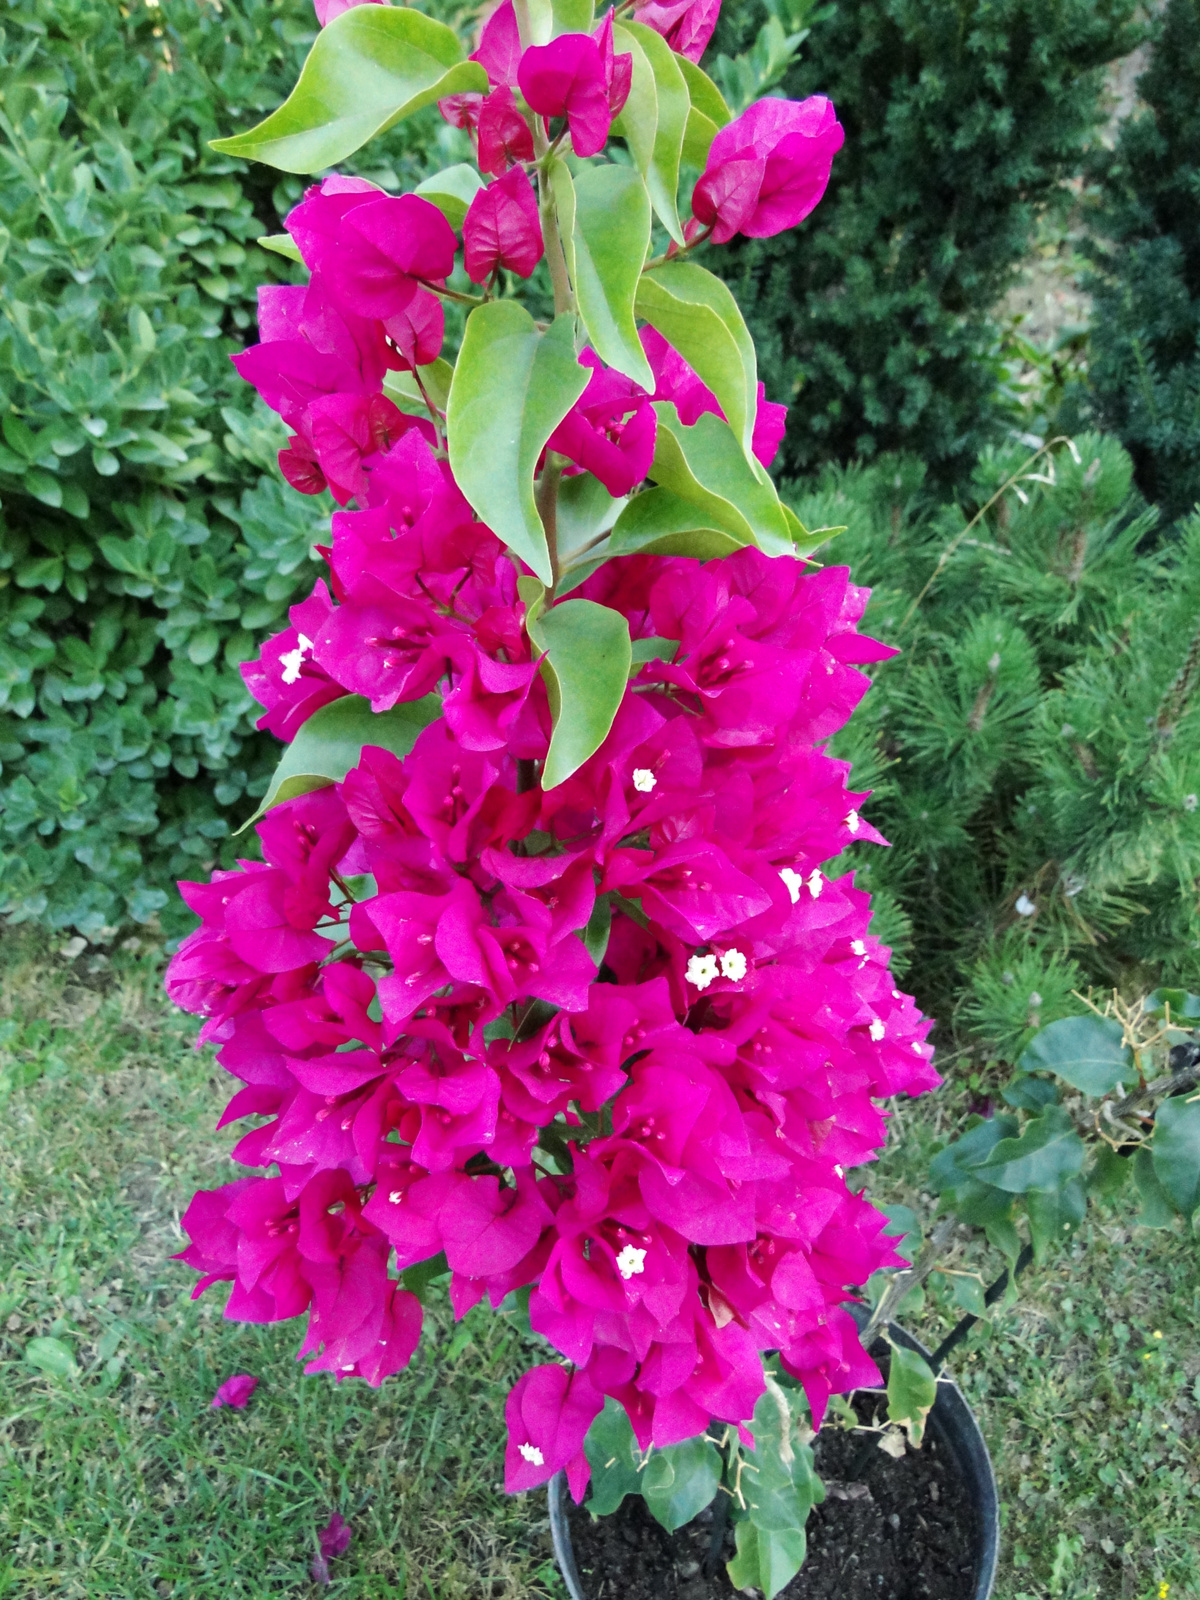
904 1281
722 1503
564 298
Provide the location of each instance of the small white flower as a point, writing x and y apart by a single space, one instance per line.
644 780
395 1197
291 660
917 1047
631 1261
792 882
840 1170
733 965
858 947
1190 802
1024 906
852 821
876 1029
702 970
532 1454
815 883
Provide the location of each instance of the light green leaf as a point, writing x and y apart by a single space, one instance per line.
53 1356
614 1458
696 313
1086 1052
903 1227
660 522
605 250
672 105
780 1488
369 68
706 466
707 114
680 1481
452 191
586 667
766 1559
1157 1210
586 513
911 1392
331 742
283 245
804 540
549 18
512 387
1047 1153
402 389
1175 1149
638 122
968 1293
652 649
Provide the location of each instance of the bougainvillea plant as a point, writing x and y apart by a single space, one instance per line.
540 981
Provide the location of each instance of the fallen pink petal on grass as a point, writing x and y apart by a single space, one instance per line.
333 1541
235 1392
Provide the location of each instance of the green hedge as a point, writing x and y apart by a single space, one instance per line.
962 118
148 541
1035 747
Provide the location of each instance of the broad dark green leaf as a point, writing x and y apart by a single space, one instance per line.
1030 1094
953 1167
1054 1215
659 522
614 1458
672 105
605 250
368 68
780 1488
452 191
283 245
680 1481
968 1293
696 313
330 743
1086 1052
417 1279
586 666
911 1391
512 387
1181 1003
1046 1154
766 1559
1157 1210
599 926
1176 1151
705 465
903 1228
1109 1172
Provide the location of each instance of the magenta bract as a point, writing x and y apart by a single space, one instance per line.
567 78
502 228
768 168
686 25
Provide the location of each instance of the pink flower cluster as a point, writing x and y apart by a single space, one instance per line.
403 988
617 1042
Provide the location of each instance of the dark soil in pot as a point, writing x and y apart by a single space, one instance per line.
905 1530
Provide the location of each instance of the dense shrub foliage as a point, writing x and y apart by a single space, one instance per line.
1035 747
961 120
144 550
1145 356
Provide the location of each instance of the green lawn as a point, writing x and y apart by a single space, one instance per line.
118 1480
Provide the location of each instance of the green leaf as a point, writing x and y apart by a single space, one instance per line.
1086 1052
656 150
1055 1215
512 387
369 68
968 1293
696 313
662 523
652 649
1109 1173
1175 1149
680 1481
53 1356
706 466
805 540
599 926
1030 1094
586 667
1047 1153
911 1392
403 391
614 1458
417 1279
45 487
1157 1210
766 1559
606 248
903 1227
549 18
452 191
780 1488
283 245
952 1167
1182 1003
331 742
708 113
586 513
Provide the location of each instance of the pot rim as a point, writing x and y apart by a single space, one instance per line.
956 1427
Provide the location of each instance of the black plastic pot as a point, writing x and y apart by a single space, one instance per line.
951 1422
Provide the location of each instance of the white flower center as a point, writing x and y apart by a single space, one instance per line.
858 947
852 821
733 965
631 1261
532 1454
644 780
876 1029
1024 906
702 970
291 660
793 882
815 882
